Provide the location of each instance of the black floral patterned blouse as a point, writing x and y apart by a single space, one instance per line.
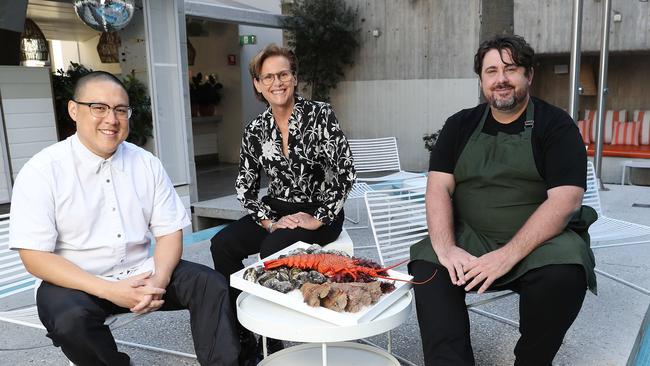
317 170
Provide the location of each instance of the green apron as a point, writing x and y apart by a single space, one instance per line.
497 189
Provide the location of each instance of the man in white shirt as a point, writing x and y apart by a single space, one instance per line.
83 212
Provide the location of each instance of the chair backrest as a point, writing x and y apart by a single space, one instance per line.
591 196
375 155
14 278
398 220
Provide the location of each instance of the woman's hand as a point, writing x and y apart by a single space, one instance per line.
307 221
300 219
285 222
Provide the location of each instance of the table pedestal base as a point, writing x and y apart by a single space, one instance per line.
337 354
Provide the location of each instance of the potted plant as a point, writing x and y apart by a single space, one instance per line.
430 140
205 94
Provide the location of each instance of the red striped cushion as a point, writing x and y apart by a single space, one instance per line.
609 116
626 133
644 117
584 126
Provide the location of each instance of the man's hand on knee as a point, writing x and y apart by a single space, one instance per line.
130 292
487 269
454 258
152 302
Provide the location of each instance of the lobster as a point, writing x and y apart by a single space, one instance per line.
331 265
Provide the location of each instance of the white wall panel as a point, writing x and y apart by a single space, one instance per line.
166 81
28 113
28 120
35 134
406 109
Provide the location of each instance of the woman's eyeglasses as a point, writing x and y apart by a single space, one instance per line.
268 79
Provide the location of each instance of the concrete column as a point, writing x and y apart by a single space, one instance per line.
497 17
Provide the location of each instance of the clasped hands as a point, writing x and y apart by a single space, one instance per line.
300 219
141 293
470 271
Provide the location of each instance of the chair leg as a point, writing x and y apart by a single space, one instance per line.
624 282
156 349
358 219
265 351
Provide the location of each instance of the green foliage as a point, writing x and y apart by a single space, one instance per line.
140 124
63 82
205 90
323 36
430 139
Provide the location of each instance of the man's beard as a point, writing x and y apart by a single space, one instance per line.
509 103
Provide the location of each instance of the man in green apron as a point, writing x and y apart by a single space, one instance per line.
504 211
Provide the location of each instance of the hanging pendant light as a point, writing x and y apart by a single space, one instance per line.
33 45
108 47
105 15
191 53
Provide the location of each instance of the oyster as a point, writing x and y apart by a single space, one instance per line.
253 273
282 286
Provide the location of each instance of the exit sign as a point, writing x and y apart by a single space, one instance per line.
249 39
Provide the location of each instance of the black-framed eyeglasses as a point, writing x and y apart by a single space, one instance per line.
268 79
100 110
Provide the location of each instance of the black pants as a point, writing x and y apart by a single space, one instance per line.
245 237
550 299
75 320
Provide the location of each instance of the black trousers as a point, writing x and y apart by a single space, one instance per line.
75 320
550 298
245 237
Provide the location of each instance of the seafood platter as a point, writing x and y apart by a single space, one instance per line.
328 285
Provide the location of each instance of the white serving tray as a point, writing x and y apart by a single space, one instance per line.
294 299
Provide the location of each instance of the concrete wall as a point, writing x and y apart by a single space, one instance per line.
628 77
251 107
222 137
418 72
546 24
406 109
418 39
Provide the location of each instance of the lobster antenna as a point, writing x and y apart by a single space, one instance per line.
397 279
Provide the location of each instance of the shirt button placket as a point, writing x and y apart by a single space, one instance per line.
114 217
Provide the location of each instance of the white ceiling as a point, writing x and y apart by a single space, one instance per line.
58 21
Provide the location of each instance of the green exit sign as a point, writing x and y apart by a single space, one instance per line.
249 39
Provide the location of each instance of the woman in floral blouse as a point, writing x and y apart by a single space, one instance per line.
300 147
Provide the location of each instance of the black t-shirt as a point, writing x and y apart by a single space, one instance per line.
558 150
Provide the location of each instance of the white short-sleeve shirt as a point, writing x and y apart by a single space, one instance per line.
97 213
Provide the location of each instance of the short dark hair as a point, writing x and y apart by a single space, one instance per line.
255 66
96 75
521 52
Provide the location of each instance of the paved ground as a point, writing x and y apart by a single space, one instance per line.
603 334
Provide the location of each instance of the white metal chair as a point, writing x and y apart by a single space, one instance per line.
356 193
377 160
16 282
398 220
607 232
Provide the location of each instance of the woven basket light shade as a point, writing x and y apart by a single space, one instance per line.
33 45
108 47
191 53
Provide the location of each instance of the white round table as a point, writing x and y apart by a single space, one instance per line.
276 321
